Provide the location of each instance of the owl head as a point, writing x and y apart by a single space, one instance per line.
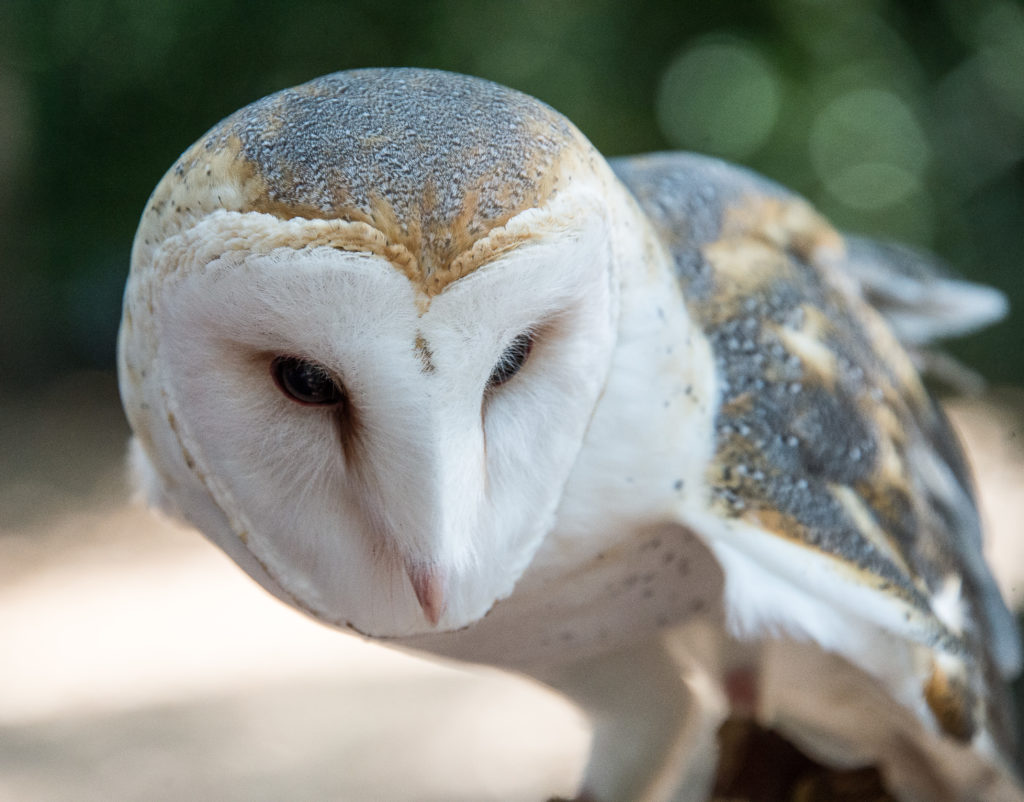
367 323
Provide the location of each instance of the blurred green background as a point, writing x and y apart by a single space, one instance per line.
903 120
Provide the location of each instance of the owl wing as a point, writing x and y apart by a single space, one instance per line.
825 436
923 302
919 297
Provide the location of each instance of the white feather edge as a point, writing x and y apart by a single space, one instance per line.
192 507
775 588
787 594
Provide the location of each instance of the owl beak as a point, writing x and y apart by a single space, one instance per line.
428 584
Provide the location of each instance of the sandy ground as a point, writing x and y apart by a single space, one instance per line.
137 663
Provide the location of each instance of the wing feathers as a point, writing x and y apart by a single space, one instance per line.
825 434
917 296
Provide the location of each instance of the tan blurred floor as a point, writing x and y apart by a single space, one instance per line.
137 663
162 672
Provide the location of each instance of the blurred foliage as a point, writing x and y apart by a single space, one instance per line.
903 120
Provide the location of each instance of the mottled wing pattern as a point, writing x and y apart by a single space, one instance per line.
825 434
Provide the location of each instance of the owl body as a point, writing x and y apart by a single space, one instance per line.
429 368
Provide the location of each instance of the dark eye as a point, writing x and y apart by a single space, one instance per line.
512 360
306 382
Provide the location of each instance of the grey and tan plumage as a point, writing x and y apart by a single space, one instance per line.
430 368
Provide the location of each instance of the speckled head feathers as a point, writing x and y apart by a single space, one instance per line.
431 160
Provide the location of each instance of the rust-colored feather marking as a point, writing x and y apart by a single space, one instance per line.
426 356
952 702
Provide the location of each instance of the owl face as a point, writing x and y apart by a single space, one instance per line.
389 460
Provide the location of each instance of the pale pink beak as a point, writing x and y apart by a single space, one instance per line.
428 584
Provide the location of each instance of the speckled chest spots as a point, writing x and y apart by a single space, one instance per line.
662 577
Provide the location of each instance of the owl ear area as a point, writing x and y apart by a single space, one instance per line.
306 382
512 360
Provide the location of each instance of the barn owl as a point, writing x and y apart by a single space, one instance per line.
432 370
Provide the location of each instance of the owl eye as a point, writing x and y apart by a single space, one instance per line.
306 382
512 360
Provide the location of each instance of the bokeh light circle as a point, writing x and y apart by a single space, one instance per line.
868 149
720 97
